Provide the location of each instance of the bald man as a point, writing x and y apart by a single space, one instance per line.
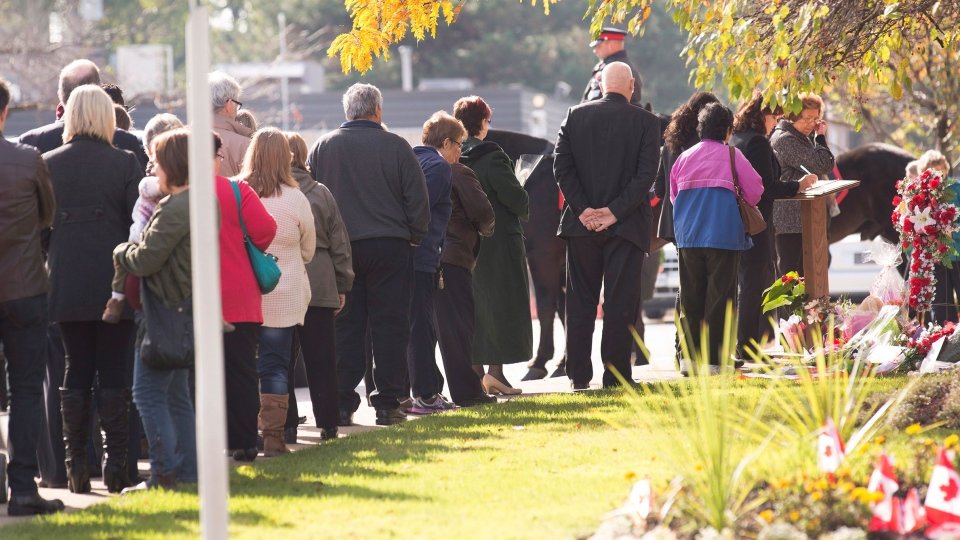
605 162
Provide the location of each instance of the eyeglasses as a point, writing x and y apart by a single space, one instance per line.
809 119
239 105
458 143
220 156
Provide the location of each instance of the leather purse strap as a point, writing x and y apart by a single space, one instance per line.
733 167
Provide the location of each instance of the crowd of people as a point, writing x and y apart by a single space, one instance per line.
385 252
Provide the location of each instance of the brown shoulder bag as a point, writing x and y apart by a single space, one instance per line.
753 221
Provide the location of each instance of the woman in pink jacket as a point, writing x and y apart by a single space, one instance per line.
709 231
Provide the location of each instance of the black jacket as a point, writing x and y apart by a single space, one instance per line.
756 148
606 156
26 208
592 91
95 186
50 137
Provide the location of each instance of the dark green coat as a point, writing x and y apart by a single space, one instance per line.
503 333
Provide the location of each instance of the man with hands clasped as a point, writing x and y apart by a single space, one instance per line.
605 162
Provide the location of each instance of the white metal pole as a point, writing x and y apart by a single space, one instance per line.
284 82
207 314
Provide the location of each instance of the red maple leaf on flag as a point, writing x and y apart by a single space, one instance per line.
950 490
828 451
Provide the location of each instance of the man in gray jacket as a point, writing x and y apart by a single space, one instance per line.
26 207
382 195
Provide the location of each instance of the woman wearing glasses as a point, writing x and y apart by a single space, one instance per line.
225 92
800 145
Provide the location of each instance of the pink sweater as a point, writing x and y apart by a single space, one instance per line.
707 164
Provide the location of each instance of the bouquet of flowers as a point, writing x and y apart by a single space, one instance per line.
918 342
926 220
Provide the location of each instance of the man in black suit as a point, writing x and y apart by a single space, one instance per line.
50 136
605 162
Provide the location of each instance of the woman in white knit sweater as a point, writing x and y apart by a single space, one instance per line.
266 168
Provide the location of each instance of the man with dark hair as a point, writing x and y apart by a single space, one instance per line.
382 194
26 208
609 48
605 162
50 136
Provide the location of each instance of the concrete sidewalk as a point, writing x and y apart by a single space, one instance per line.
660 337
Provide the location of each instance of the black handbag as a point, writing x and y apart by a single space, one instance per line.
168 332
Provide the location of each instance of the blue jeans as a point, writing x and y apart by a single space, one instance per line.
274 359
163 399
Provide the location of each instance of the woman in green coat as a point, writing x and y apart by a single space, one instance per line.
503 333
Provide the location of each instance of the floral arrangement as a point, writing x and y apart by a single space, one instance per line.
917 343
926 220
788 291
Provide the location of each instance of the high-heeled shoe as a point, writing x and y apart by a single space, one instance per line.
492 386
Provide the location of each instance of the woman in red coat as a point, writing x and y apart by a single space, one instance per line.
241 308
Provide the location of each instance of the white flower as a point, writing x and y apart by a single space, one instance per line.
781 531
922 218
846 533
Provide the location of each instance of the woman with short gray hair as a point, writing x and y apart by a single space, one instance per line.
225 95
362 101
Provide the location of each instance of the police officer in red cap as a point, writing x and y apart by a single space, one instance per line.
609 49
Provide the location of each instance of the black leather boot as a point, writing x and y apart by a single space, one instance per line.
114 406
75 409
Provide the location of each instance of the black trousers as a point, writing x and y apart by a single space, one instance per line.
242 385
945 293
380 299
789 254
318 342
455 320
425 378
615 264
757 272
708 281
547 260
23 332
97 352
648 284
50 450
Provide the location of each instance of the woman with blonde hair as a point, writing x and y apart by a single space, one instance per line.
266 167
331 278
96 187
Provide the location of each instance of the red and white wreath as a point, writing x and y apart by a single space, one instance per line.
926 218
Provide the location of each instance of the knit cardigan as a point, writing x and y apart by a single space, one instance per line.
293 246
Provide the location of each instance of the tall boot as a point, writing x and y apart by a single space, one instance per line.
114 408
273 415
75 409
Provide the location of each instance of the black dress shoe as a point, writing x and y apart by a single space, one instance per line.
389 417
482 399
52 484
561 371
328 434
32 505
245 454
346 418
579 387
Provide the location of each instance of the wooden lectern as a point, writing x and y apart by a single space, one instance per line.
813 220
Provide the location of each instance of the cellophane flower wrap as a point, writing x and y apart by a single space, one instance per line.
926 218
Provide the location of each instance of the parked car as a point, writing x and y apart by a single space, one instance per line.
851 274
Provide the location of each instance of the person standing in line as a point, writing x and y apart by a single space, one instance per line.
162 256
752 126
331 278
799 142
26 208
605 162
710 232
382 194
96 187
443 135
504 329
267 169
225 93
471 217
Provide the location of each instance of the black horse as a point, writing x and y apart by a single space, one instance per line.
866 209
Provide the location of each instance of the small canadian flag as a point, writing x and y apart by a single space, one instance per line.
830 449
886 512
943 494
914 517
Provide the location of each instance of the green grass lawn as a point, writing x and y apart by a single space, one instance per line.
539 467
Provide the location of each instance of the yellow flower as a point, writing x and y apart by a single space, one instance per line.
875 496
630 475
767 515
698 467
929 442
879 439
913 429
951 441
794 516
816 496
845 487
822 484
858 493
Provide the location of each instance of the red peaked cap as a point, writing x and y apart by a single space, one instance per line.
609 34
